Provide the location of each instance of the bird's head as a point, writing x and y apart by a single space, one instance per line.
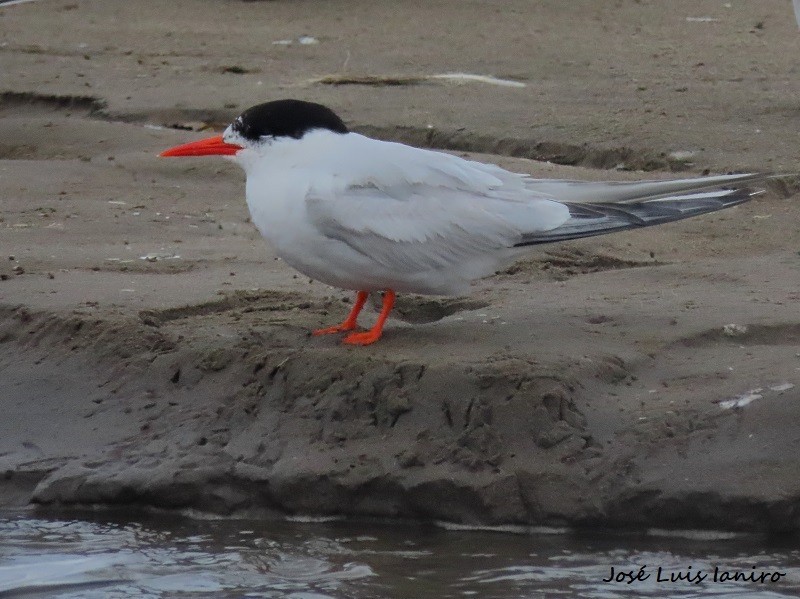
252 133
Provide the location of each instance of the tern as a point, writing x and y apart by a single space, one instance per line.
377 216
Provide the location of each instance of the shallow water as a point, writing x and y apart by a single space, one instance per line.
104 556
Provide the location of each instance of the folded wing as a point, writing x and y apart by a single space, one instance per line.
431 228
411 211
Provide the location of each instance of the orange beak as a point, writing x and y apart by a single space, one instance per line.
211 146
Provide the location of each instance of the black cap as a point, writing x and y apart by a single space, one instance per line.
286 118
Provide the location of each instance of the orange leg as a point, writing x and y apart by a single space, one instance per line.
374 333
350 322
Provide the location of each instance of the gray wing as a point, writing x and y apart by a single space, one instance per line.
600 208
422 227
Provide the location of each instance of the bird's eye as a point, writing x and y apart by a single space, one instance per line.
230 136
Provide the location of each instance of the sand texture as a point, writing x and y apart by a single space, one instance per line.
154 351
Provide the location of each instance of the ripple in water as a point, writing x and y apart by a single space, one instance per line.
172 557
88 559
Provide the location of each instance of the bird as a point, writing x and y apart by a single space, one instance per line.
376 216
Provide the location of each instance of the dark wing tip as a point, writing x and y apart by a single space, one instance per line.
591 219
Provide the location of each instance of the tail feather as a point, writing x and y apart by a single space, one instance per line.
633 191
657 202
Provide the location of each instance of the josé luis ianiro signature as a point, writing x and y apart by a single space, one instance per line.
692 576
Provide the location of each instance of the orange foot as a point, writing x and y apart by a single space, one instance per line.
363 338
350 322
371 336
339 328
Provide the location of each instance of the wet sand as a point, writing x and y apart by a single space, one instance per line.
154 351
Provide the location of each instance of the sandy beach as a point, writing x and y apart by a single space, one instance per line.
154 351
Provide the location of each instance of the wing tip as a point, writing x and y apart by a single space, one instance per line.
588 219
